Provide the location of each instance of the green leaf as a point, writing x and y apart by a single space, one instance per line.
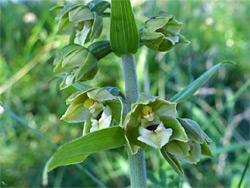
79 149
195 85
124 35
172 161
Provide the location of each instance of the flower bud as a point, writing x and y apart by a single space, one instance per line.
99 108
76 63
162 32
84 22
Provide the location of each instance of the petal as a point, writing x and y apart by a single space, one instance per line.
157 138
178 131
79 96
105 120
178 148
76 113
80 14
164 108
194 154
100 94
65 27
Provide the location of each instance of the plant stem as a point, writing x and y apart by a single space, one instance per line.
137 161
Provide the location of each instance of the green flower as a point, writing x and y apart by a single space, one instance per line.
192 150
97 107
76 63
82 21
162 32
152 121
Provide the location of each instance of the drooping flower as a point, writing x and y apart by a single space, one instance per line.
76 63
97 107
162 32
152 121
83 21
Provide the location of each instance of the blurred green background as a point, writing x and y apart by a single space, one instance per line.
217 30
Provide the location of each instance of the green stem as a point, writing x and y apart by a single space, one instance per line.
137 161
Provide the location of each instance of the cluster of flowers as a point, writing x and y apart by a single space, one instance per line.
84 23
152 121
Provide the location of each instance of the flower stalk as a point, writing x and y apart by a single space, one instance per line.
137 161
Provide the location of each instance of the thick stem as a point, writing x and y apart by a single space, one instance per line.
137 161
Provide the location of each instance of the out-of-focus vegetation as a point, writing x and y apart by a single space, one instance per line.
28 88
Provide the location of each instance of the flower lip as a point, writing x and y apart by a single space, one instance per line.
98 117
152 127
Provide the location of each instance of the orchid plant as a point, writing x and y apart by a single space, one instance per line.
111 119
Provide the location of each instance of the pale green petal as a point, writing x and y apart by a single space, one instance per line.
117 110
178 131
68 80
96 28
151 39
88 70
80 14
194 154
164 108
205 150
75 58
86 128
106 118
157 138
178 148
76 113
79 96
133 117
65 27
156 23
100 94
66 9
132 140
82 35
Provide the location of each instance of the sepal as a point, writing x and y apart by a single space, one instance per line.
162 32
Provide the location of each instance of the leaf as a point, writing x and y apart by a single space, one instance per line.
172 161
124 35
79 149
195 85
